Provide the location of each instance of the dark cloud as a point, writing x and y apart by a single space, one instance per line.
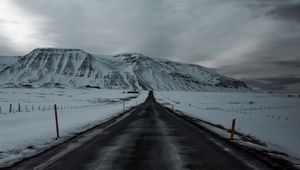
287 12
262 68
282 80
274 83
287 63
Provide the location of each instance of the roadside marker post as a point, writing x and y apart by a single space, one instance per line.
123 104
232 129
56 122
19 107
10 108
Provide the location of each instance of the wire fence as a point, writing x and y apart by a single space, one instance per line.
21 108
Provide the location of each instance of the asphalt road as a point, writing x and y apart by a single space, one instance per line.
154 138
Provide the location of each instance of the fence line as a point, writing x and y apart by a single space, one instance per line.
19 107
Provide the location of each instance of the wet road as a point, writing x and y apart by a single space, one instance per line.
153 138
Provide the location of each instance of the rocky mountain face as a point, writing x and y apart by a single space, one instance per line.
49 67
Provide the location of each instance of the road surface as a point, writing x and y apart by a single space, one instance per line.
154 138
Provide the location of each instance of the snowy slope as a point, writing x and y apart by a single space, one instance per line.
160 74
49 67
6 61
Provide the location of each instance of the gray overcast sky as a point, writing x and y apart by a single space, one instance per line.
254 40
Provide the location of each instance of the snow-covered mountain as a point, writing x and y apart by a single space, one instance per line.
6 61
52 67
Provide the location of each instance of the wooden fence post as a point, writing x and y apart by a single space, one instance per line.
19 107
123 104
10 108
232 129
56 122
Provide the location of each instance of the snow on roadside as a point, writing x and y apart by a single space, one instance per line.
273 119
25 133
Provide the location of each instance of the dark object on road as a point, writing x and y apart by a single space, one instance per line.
133 92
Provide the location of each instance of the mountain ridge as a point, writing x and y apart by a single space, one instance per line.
60 67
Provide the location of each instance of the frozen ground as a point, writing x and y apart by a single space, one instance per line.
273 119
31 128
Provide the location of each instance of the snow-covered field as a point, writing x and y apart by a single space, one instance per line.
31 128
273 119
